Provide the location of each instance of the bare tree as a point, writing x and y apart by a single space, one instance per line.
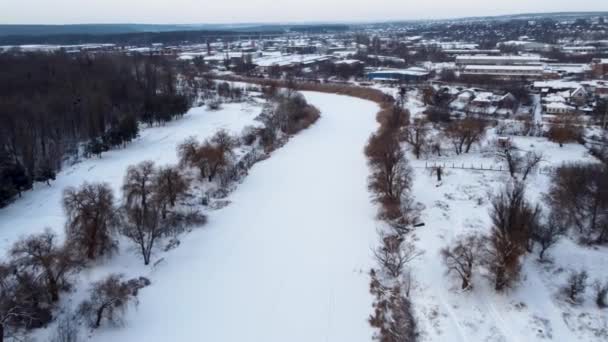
511 157
142 214
391 175
416 135
40 255
394 254
531 160
91 219
169 185
461 258
548 233
187 151
513 219
518 163
224 141
109 299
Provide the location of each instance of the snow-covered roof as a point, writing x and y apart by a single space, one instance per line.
555 98
556 84
506 67
558 105
349 61
414 71
500 58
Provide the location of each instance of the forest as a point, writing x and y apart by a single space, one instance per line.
53 106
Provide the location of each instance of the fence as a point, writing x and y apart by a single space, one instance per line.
547 170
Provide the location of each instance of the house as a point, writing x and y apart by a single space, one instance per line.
579 96
559 108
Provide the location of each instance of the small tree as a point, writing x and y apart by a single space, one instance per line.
531 160
576 286
108 301
461 258
601 294
548 233
91 219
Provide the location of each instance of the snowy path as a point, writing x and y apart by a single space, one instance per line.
288 259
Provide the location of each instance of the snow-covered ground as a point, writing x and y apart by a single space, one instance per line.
459 206
288 259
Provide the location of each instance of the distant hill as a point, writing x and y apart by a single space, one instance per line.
143 33
92 29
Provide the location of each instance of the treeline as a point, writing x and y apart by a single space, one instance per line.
52 103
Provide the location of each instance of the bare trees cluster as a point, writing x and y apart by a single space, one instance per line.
463 134
519 162
565 129
578 197
212 158
38 269
516 225
392 313
148 193
390 285
390 182
53 102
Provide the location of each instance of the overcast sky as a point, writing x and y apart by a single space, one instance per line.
235 11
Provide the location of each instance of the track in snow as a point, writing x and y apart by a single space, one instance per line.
288 259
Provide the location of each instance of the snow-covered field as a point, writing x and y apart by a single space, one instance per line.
288 259
533 310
